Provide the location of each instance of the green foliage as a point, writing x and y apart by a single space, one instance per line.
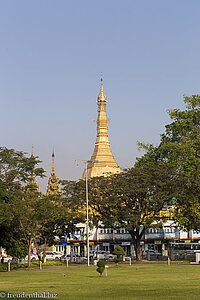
27 216
180 150
73 207
131 199
101 267
119 251
15 169
101 263
117 260
17 248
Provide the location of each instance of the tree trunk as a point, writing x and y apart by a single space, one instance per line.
136 237
44 251
29 252
137 247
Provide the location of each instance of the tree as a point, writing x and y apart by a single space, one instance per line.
38 220
15 168
44 219
73 206
119 251
180 149
13 240
101 267
132 199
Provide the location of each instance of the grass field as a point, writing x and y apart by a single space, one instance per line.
123 282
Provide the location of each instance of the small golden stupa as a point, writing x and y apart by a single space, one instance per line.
53 186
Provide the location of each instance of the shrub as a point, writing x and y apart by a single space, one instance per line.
117 260
101 263
118 251
101 267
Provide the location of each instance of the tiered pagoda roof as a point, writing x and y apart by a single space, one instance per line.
53 186
105 163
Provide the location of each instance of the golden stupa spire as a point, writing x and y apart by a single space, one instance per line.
53 186
102 96
102 153
53 164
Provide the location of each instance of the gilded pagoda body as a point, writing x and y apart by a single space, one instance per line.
106 164
53 186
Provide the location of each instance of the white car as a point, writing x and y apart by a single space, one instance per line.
110 256
151 252
53 256
34 257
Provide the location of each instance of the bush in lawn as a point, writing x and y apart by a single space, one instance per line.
119 251
101 267
117 260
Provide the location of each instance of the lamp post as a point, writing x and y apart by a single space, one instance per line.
87 213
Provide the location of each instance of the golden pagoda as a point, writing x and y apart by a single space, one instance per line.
53 186
105 163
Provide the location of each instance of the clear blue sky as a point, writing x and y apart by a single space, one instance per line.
52 54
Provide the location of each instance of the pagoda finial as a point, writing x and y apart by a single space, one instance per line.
102 96
53 164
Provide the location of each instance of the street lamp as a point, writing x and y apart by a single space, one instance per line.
86 162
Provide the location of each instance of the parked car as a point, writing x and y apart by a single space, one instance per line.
65 257
101 254
34 257
75 258
110 256
151 252
83 259
53 256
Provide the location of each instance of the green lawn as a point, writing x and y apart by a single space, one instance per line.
123 282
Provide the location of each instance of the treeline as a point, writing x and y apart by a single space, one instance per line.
167 175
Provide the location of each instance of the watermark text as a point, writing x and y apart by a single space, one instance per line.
24 295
